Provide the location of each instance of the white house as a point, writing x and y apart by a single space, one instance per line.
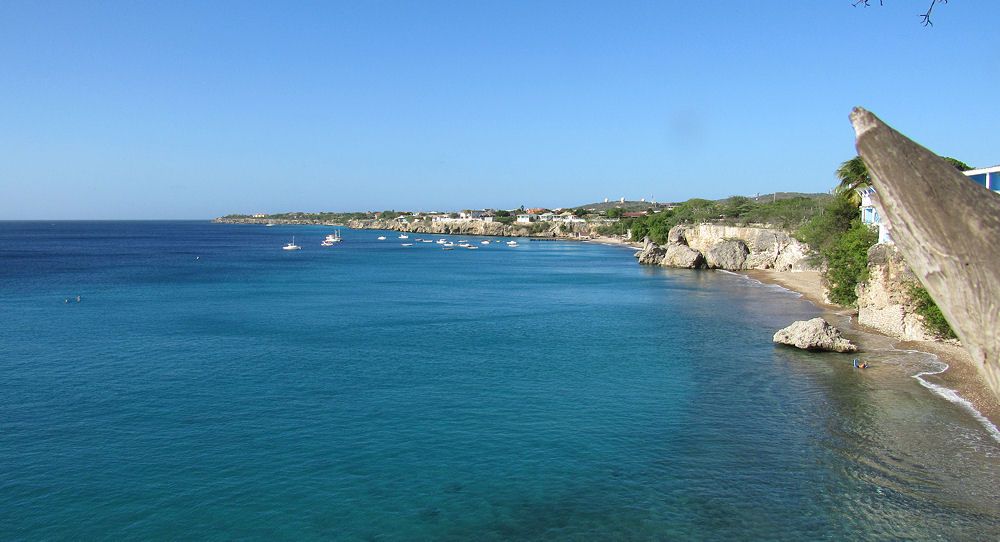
525 219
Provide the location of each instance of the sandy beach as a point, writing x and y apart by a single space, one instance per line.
961 376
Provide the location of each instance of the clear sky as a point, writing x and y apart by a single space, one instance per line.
193 110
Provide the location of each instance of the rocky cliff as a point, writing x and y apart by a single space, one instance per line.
734 248
884 300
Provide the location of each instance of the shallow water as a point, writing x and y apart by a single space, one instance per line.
373 391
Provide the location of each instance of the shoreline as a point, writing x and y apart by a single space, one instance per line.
960 377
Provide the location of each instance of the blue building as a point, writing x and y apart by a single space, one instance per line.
988 178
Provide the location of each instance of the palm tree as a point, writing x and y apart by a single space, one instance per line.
853 174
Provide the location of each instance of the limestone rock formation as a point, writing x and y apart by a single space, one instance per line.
728 247
728 254
671 255
682 256
815 334
884 300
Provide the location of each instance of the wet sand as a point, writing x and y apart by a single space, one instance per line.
962 375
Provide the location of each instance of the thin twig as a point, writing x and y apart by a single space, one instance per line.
925 19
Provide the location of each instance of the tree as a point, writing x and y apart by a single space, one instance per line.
925 18
959 165
853 175
614 212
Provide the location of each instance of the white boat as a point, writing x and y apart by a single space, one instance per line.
292 245
426 241
448 245
464 244
442 241
404 236
484 242
331 239
472 247
512 243
269 225
381 238
406 244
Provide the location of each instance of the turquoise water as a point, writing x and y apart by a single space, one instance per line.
210 385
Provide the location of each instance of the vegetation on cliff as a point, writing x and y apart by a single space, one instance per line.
841 241
788 213
934 320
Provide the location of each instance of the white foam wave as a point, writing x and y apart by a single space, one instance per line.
952 396
761 284
947 394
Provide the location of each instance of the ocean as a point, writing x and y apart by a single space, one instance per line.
209 385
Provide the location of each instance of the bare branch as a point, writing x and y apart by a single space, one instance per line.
925 19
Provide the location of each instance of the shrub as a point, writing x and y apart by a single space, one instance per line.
846 259
934 321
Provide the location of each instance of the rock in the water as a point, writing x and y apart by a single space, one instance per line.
815 334
729 254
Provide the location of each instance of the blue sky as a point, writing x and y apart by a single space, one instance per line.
193 110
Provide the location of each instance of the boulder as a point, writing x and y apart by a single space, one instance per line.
676 235
815 334
682 256
729 254
671 255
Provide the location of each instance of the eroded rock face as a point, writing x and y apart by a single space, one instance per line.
682 256
732 248
815 334
728 254
672 255
884 300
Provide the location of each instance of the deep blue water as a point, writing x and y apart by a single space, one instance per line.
210 385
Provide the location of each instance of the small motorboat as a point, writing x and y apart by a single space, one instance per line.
404 236
484 242
381 238
512 243
406 244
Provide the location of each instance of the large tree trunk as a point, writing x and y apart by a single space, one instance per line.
948 229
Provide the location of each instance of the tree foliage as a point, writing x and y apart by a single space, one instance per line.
847 262
737 210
